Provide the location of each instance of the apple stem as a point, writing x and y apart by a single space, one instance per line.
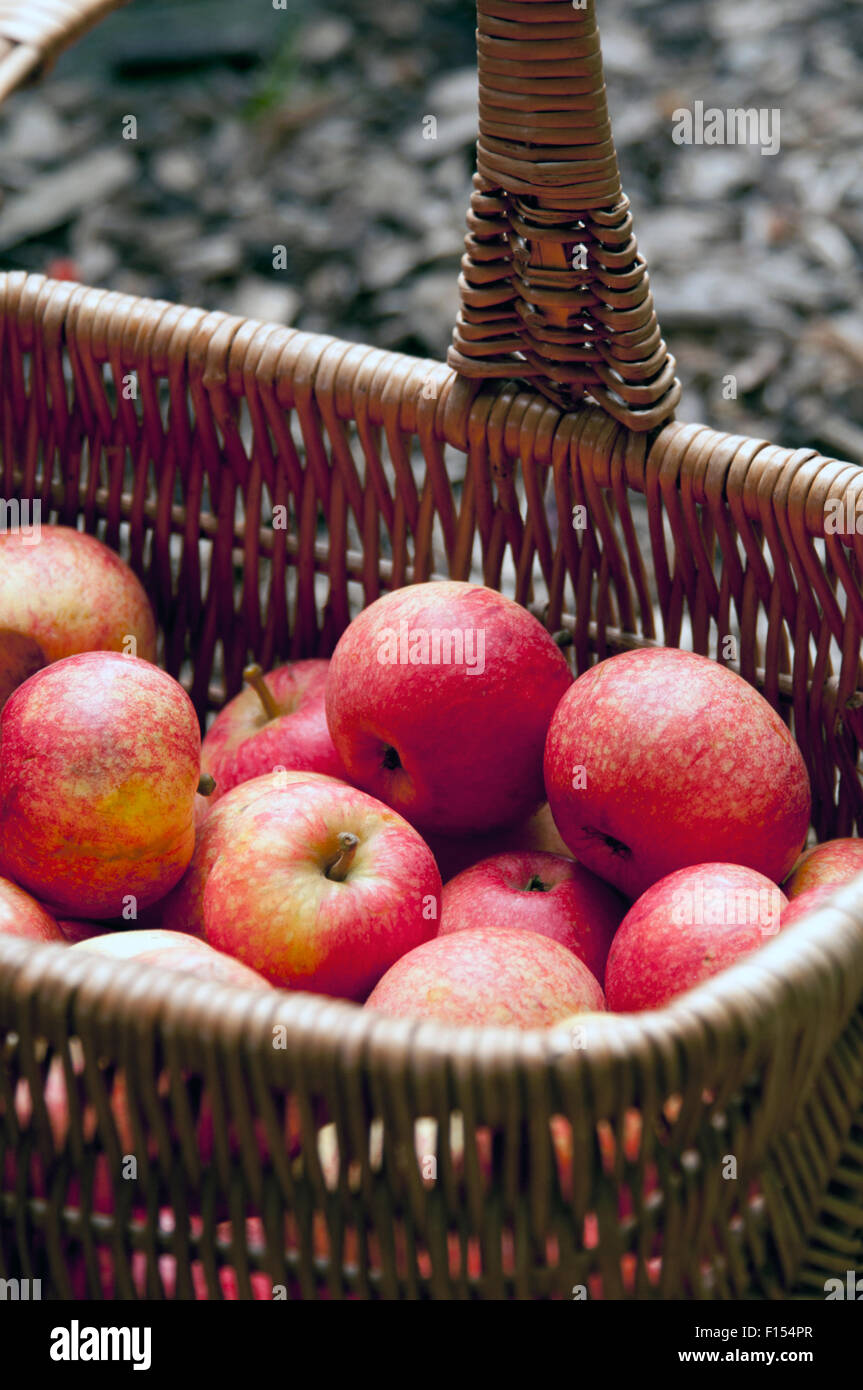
338 868
536 885
206 784
254 676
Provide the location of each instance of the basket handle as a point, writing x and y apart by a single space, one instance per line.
32 37
553 289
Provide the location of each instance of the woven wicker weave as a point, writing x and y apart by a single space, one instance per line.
32 36
765 1062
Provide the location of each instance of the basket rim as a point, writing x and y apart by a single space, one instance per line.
751 1005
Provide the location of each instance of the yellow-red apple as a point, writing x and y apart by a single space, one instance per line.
69 593
215 824
321 887
101 761
832 863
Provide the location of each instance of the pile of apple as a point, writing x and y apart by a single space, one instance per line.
304 844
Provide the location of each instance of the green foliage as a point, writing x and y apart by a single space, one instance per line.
275 81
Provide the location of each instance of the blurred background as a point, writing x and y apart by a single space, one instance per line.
181 142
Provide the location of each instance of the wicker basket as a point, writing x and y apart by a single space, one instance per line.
596 1162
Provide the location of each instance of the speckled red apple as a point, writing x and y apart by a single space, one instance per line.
488 975
69 593
438 699
216 823
100 766
279 721
321 887
657 759
686 928
537 892
831 863
21 915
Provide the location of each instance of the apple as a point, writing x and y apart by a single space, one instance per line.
529 890
100 765
182 909
488 975
321 887
68 593
438 700
807 901
20 658
187 955
687 927
455 853
833 862
74 929
158 914
21 915
279 721
657 759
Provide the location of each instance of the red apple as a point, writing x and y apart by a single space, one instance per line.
806 902
183 908
20 658
833 862
687 927
488 975
21 915
455 853
438 700
173 951
68 593
321 887
74 930
657 759
100 766
533 891
280 721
